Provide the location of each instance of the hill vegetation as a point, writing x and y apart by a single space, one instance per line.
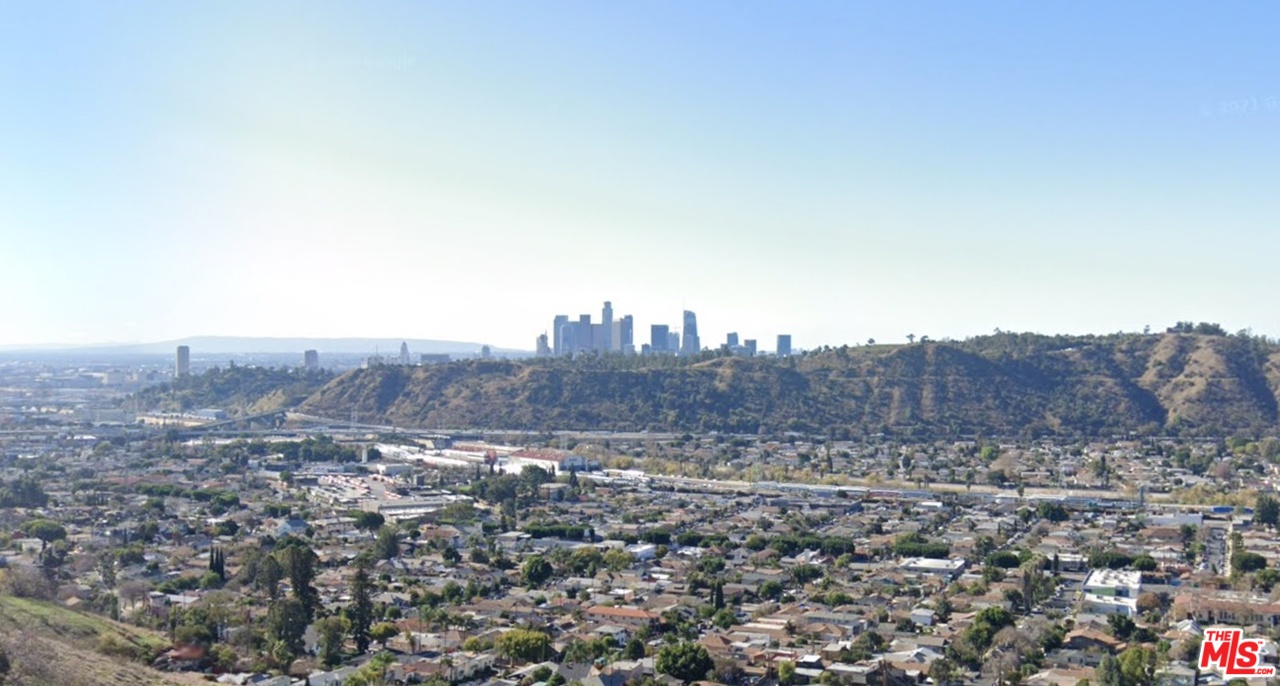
239 390
1190 380
48 644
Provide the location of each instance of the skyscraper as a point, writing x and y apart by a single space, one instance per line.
731 340
606 327
311 360
784 345
557 328
568 339
750 345
626 335
658 337
584 335
404 352
690 345
183 365
543 349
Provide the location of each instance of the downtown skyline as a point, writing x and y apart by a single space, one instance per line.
838 171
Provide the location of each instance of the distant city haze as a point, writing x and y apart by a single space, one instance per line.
467 171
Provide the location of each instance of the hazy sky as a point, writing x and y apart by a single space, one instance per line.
467 170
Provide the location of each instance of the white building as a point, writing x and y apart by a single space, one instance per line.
1112 591
923 565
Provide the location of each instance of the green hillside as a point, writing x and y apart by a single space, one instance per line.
1006 383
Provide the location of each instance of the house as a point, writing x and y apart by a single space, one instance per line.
624 616
553 491
1092 639
291 527
1226 607
949 569
1175 675
923 616
1059 676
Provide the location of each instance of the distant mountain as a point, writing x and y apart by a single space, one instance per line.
225 345
1003 384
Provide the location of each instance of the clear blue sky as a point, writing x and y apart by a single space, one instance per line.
464 170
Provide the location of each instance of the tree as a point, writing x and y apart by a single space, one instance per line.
268 578
218 563
684 661
383 632
536 570
223 656
1267 511
373 672
634 650
332 630
786 672
1145 563
771 589
1121 626
360 611
387 544
1244 561
287 622
1149 602
1138 666
523 645
1004 559
617 559
1054 512
210 580
194 633
1108 673
298 562
943 671
369 521
46 530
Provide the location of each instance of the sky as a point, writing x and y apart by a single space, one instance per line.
838 171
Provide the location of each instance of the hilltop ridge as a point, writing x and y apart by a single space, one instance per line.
1006 383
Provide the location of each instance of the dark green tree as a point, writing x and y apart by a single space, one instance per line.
1267 511
287 622
536 570
299 563
685 661
361 609
634 650
268 578
387 544
46 530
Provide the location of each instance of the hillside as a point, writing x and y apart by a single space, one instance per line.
1003 384
239 390
49 644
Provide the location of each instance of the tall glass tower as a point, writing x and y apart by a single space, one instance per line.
690 345
606 327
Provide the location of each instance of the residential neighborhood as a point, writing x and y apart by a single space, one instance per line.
300 557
